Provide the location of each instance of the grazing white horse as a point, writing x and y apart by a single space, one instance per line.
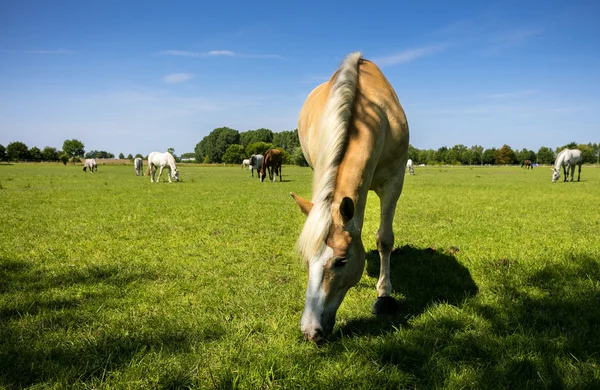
256 161
567 158
158 159
138 163
90 163
246 163
410 166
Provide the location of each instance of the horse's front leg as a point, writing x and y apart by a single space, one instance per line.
579 173
159 175
388 197
169 176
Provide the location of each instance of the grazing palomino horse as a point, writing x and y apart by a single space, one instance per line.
528 164
138 163
354 134
158 159
256 161
567 158
245 163
272 163
410 166
90 163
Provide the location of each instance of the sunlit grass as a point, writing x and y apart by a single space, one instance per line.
110 281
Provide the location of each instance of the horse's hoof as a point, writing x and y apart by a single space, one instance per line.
385 305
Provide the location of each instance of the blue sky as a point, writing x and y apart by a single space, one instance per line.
137 76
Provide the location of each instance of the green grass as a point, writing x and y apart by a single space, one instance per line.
110 281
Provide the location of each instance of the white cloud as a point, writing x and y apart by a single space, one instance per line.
220 53
216 53
174 78
59 51
511 94
515 35
408 55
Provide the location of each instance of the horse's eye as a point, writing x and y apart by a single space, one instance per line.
340 262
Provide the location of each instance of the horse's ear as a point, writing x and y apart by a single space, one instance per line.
305 205
347 209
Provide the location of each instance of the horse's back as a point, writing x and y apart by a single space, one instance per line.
377 126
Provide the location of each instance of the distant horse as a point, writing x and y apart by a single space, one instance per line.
528 164
354 134
567 158
245 163
158 159
90 163
256 161
411 168
138 163
272 163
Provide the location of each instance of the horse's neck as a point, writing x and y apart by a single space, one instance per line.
560 160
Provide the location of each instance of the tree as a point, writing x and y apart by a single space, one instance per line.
35 154
129 156
545 155
477 154
297 157
505 155
49 154
16 151
121 156
258 148
73 148
234 154
489 156
287 140
139 155
440 155
212 147
258 135
2 153
64 158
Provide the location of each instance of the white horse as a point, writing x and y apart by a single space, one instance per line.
256 161
90 163
138 163
411 168
567 158
246 163
158 159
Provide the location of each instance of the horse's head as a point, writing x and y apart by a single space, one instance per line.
262 174
555 174
335 267
175 174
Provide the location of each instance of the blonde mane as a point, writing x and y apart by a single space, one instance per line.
333 134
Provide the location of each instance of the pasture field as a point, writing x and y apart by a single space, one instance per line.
109 281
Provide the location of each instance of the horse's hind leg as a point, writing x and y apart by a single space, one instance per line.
572 169
388 198
579 173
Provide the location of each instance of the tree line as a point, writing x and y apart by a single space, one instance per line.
226 145
72 150
477 155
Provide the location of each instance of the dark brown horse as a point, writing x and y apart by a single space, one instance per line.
272 163
527 163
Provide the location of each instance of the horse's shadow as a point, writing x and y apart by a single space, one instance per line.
420 278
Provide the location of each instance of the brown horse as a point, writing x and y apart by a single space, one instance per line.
272 163
528 164
354 134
